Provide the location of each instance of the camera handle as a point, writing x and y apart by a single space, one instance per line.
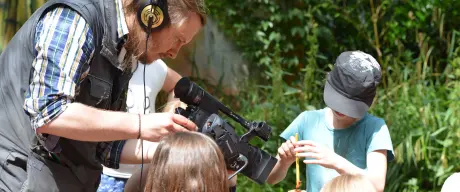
259 129
248 136
240 158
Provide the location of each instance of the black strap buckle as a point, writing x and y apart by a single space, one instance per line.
42 152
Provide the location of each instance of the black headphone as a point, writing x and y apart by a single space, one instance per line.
153 14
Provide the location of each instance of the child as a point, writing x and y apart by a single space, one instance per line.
349 183
184 161
341 138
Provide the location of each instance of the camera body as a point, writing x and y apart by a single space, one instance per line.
239 155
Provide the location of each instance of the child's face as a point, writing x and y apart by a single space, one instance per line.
342 117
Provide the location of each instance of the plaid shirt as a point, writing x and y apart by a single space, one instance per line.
64 48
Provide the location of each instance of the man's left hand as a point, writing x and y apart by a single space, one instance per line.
319 154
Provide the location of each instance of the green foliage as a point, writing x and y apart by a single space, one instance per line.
13 13
292 44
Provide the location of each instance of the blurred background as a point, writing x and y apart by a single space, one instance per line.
267 59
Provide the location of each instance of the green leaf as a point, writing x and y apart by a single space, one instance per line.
266 105
434 134
446 143
266 25
266 60
274 36
289 46
291 90
260 34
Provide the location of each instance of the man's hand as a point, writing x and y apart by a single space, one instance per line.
157 125
286 151
320 155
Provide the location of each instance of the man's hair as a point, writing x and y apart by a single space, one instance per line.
178 9
187 161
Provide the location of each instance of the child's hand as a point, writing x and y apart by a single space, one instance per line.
286 151
320 155
232 181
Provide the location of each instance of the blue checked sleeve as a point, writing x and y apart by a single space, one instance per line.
64 47
63 44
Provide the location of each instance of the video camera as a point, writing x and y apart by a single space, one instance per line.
240 156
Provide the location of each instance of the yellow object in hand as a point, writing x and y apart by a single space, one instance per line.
297 165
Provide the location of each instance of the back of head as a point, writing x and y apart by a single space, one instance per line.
179 8
349 183
187 161
451 183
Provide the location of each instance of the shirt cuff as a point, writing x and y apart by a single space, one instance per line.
50 142
48 114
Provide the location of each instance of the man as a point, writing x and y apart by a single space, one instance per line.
341 138
64 76
164 79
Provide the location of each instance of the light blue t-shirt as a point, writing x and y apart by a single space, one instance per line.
353 143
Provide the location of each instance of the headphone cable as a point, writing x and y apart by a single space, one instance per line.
145 105
145 94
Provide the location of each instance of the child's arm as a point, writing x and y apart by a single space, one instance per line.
133 151
172 77
286 156
376 162
376 168
232 182
132 185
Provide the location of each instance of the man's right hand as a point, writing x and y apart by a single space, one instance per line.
286 151
157 125
84 123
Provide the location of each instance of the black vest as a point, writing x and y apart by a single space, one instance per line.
104 87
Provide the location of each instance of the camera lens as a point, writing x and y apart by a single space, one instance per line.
182 88
195 93
188 92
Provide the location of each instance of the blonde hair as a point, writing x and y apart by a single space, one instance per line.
349 183
187 161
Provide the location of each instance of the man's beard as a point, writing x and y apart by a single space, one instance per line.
136 47
133 49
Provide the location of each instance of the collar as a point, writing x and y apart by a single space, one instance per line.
122 27
122 30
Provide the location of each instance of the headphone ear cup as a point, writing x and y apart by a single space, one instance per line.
153 14
150 16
